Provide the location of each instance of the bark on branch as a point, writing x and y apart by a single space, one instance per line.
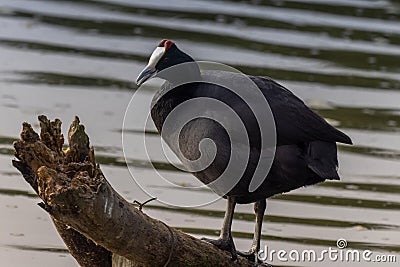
99 227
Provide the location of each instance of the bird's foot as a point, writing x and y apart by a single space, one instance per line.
223 244
251 255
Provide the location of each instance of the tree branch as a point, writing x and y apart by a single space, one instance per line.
99 227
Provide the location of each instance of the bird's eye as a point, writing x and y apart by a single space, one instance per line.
166 59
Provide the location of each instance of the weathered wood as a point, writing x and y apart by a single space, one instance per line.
85 251
99 227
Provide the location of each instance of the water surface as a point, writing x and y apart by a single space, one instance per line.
66 58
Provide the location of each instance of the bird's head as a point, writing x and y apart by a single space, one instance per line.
165 55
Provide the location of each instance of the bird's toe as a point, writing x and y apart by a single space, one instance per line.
223 244
250 255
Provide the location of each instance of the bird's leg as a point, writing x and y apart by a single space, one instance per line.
225 241
259 209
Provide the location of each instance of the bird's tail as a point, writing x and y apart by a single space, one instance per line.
322 159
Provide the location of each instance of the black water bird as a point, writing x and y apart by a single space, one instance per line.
305 151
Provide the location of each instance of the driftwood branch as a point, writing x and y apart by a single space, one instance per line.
99 227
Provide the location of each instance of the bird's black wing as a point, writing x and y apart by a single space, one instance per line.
295 122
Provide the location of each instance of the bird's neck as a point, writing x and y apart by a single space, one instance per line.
185 71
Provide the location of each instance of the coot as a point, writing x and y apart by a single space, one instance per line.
305 151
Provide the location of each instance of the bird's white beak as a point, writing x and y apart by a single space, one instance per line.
146 74
150 70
